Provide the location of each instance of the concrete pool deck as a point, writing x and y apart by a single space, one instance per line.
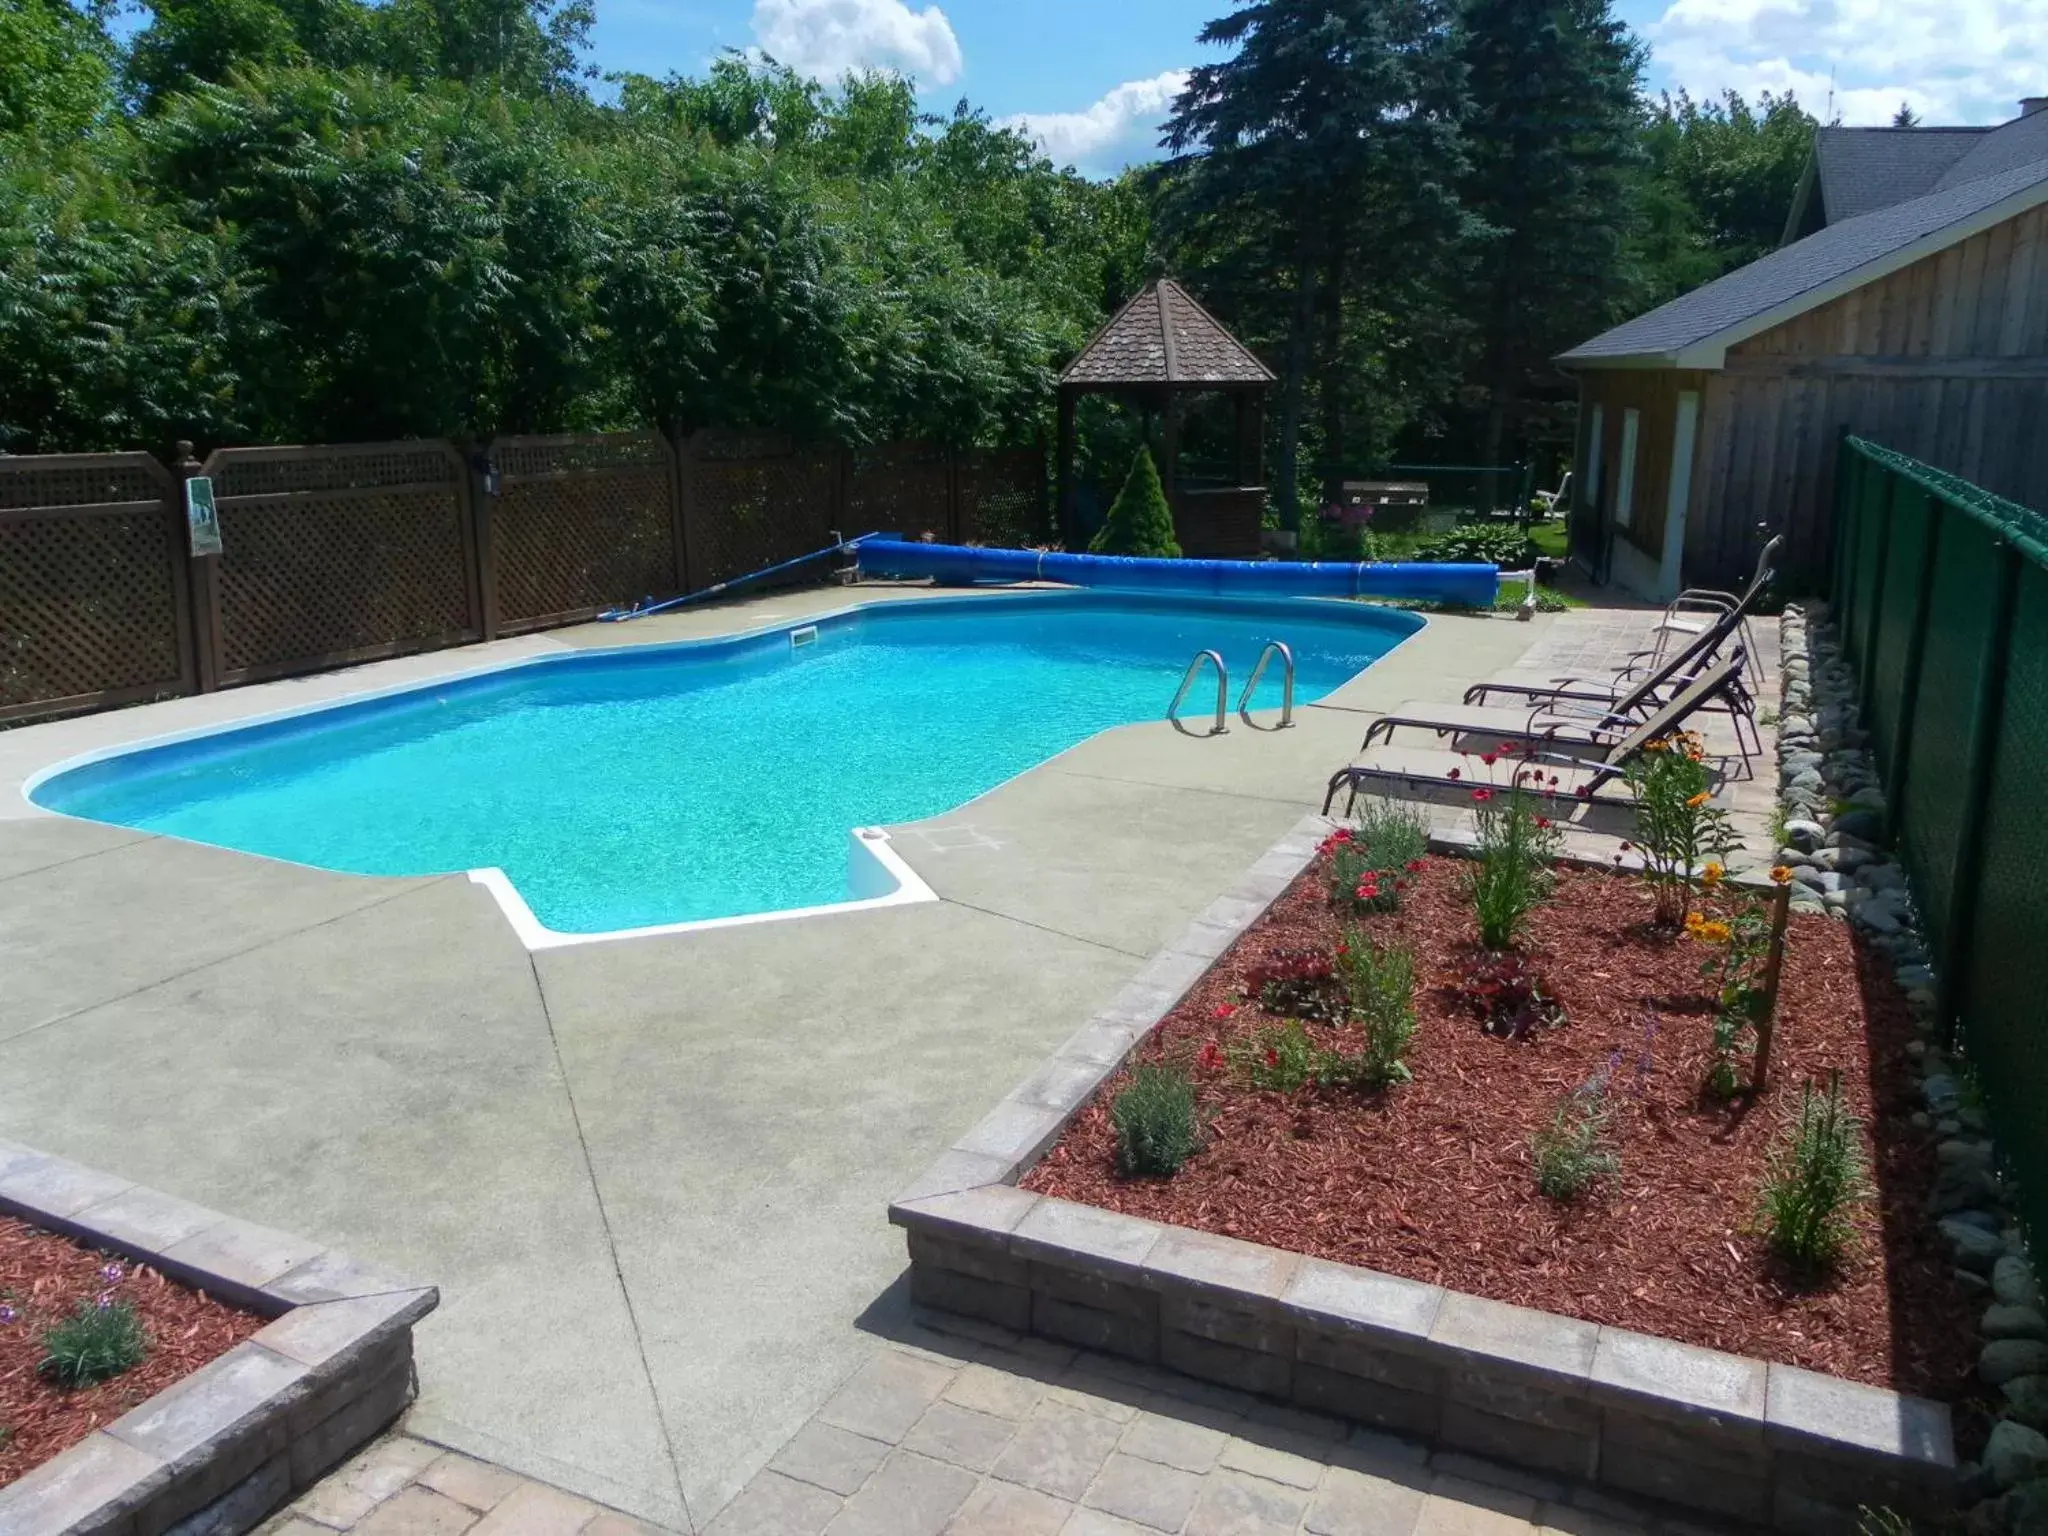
648 1176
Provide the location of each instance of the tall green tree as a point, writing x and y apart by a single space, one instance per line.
1716 187
1324 155
1551 135
56 67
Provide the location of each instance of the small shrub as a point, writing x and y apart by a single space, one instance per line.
1512 872
1740 952
1571 1153
1281 1058
1299 983
100 1340
1157 1126
1367 866
1814 1181
1139 521
1379 990
1508 996
1509 548
1677 826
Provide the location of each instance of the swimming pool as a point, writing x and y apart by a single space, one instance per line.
659 785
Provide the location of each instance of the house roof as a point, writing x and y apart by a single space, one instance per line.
1164 337
2022 141
1860 170
1696 329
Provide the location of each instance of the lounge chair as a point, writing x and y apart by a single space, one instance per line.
1545 728
1635 686
1699 608
1590 778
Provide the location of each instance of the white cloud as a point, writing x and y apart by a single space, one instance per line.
829 38
1952 61
1121 127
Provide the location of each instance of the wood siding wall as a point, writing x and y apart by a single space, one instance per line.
1654 394
1946 360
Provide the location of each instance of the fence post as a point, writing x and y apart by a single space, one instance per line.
203 580
1986 715
1866 659
1850 468
677 530
1900 758
483 501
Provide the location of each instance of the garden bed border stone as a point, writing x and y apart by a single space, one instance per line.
1738 1438
217 1452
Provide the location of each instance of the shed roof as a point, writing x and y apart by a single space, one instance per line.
1164 337
1696 329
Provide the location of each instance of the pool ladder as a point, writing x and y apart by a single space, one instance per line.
1187 680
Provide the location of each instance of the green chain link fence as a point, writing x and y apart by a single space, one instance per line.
1940 594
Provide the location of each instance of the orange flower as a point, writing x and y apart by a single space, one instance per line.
1713 874
1698 800
1781 874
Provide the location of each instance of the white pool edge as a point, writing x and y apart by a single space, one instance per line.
871 865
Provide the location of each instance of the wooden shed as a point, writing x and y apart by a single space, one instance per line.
1920 322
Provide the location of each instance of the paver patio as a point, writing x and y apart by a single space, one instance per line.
649 1176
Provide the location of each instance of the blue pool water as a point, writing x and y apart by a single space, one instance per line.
710 779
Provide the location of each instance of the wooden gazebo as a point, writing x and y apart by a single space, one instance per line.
1157 350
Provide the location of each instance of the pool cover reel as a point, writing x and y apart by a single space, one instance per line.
1472 586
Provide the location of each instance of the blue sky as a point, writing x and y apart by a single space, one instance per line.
1090 78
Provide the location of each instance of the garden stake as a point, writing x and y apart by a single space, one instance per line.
1774 963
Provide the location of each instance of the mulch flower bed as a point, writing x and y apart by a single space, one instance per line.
43 1277
1433 1179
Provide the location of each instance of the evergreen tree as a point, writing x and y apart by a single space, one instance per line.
1140 522
1551 135
1905 117
1321 159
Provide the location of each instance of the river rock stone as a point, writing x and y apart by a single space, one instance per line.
1941 1094
1961 1187
2013 1282
2006 1360
2026 1399
1861 823
2015 1454
1974 1247
2004 1322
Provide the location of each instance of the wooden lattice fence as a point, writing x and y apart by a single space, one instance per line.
579 524
340 554
755 499
94 605
334 555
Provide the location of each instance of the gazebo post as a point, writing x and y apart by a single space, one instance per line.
1169 443
1063 496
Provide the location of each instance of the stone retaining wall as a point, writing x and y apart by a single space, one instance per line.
1738 1438
217 1452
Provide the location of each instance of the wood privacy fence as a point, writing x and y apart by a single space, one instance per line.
340 554
1940 594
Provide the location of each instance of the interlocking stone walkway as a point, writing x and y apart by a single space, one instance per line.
1006 1436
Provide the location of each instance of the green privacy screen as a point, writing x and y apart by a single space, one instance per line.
1941 595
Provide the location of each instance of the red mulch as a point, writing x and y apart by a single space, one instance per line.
1434 1180
43 1277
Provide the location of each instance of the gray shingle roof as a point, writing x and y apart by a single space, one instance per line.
1835 252
1865 169
2006 147
1164 337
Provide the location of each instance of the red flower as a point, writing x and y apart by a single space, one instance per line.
1482 795
1542 821
1226 1010
1453 774
1272 1057
1507 748
1583 792
1489 758
1209 1058
1414 866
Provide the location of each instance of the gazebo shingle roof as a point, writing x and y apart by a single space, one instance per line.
1164 337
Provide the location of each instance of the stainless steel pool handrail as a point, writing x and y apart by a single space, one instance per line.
1187 680
1287 686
